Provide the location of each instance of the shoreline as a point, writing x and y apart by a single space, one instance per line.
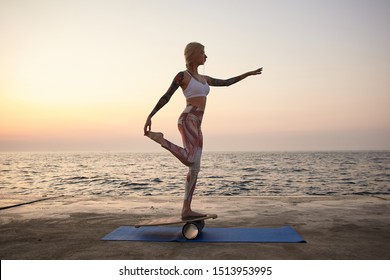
334 227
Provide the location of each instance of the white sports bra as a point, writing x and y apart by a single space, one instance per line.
196 88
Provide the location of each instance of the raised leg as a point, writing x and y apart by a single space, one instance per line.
190 129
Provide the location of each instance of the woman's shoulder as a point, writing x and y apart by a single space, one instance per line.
182 76
179 77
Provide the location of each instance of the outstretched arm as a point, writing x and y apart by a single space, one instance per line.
228 82
164 100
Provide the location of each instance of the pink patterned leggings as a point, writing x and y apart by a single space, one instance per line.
189 125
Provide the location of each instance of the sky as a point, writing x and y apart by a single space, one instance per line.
84 75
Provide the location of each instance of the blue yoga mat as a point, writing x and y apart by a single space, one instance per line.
173 234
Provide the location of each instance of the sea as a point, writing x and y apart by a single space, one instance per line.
222 174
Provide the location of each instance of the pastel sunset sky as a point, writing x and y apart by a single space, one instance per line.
83 75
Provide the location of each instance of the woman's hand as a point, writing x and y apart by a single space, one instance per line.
148 125
256 72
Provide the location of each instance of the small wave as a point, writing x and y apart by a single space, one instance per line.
138 188
131 184
349 163
348 183
245 183
322 193
249 169
381 180
370 193
77 178
299 170
214 177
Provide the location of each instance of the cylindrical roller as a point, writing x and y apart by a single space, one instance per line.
192 230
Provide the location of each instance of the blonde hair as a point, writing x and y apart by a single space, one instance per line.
192 49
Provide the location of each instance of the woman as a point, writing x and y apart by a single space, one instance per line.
195 88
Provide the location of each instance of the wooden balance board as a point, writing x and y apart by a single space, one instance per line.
191 229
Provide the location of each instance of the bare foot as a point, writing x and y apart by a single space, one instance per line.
156 136
191 214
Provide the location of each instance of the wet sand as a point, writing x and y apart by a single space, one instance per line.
345 227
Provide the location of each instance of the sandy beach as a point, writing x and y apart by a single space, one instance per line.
342 227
